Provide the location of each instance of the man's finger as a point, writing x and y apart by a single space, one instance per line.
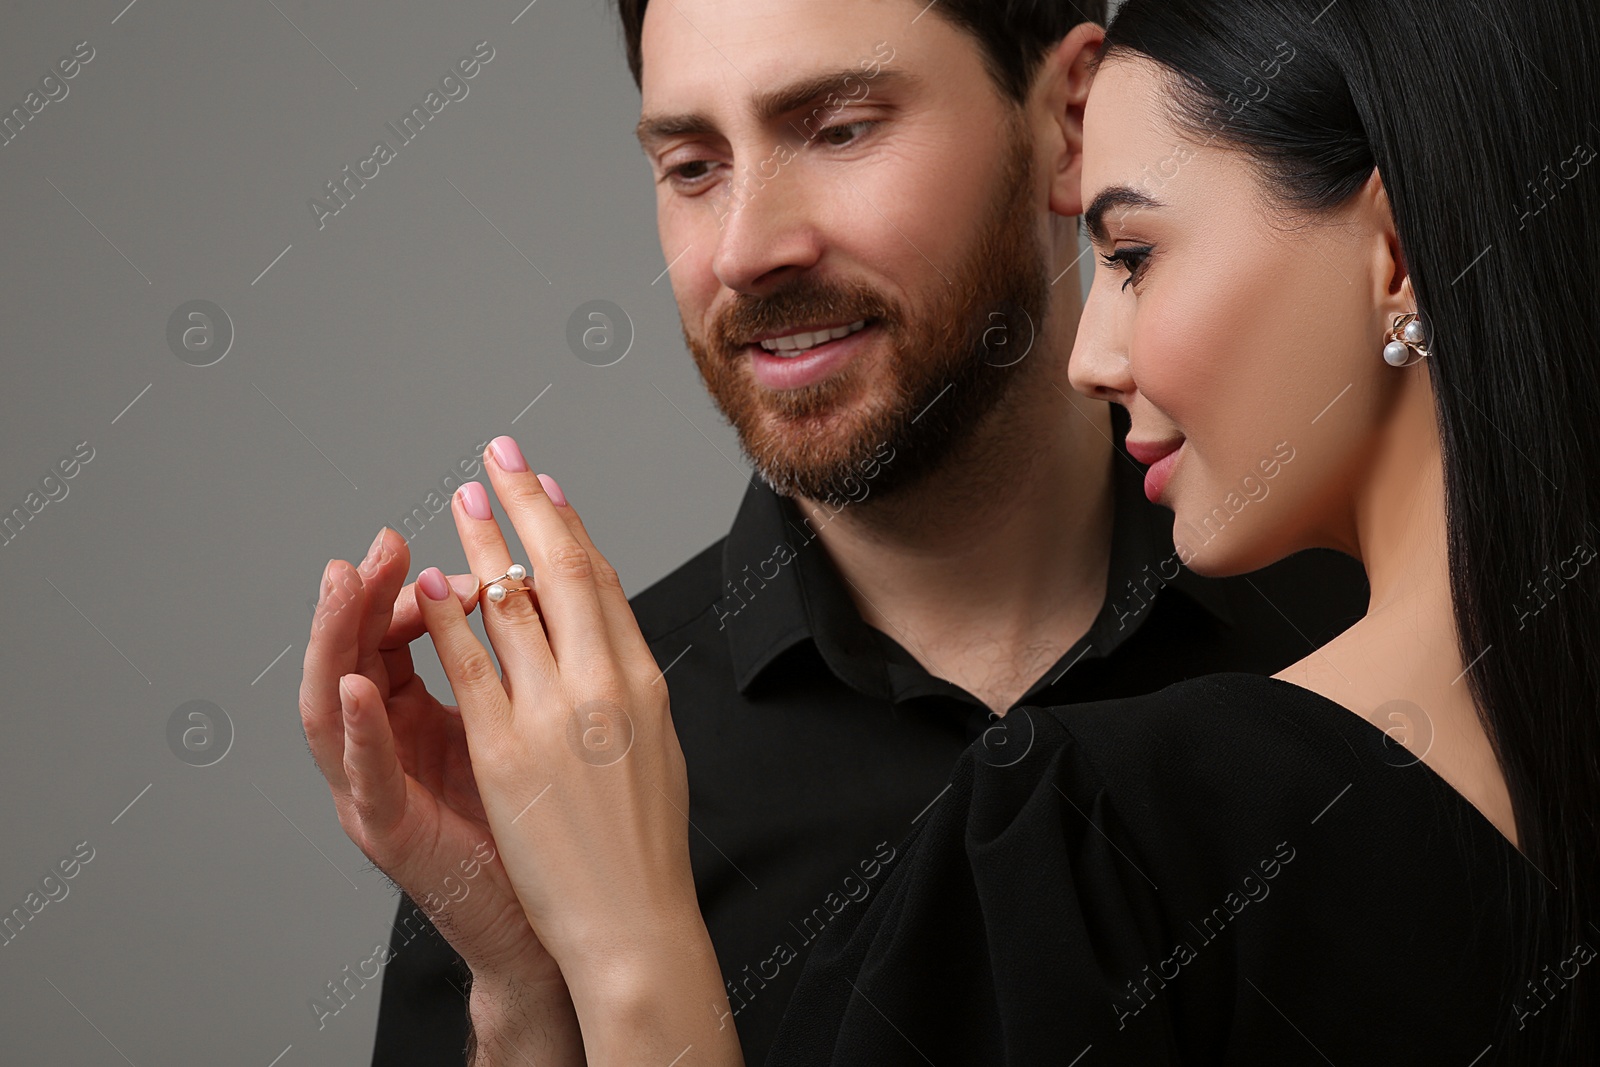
382 571
330 653
377 781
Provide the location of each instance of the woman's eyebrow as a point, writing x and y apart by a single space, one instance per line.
1113 196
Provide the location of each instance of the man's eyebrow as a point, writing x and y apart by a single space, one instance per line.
770 104
1113 196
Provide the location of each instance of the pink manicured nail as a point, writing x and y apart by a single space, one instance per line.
475 499
465 585
508 455
553 491
432 584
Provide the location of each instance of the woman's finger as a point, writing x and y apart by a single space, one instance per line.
482 697
514 624
405 625
561 565
626 639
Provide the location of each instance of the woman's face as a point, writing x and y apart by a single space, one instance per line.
1243 341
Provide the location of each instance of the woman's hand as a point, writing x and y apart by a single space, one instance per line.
396 762
581 775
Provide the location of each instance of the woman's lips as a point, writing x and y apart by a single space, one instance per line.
1161 456
792 372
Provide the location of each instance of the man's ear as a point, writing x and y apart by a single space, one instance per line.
1064 83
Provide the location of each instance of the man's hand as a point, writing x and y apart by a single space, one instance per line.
396 761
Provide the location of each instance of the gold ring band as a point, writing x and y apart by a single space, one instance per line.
495 589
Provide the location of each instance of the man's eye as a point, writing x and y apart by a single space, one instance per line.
681 174
692 174
1128 258
844 127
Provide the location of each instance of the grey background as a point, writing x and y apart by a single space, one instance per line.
369 357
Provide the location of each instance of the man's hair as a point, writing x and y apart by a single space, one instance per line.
1015 35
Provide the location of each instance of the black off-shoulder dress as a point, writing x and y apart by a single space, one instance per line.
1233 870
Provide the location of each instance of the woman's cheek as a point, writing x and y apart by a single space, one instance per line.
1181 350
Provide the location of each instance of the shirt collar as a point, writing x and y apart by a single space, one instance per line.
779 587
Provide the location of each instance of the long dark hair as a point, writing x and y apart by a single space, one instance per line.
1474 112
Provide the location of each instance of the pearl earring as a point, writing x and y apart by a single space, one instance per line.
1407 336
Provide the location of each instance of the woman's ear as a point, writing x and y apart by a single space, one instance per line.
1064 82
1392 292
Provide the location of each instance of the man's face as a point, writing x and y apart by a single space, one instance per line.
900 196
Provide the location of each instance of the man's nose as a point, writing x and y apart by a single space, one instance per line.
766 230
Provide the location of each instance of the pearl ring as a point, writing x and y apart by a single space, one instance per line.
497 591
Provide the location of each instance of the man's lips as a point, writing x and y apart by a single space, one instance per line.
774 371
1161 456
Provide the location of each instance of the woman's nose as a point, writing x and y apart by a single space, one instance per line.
1099 366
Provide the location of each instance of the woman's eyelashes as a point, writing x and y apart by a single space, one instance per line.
1130 258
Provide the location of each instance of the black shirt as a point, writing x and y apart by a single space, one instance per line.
814 741
1232 870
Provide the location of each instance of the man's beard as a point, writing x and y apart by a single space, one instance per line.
949 366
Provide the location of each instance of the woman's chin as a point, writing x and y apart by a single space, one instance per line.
1226 553
1203 560
1207 552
